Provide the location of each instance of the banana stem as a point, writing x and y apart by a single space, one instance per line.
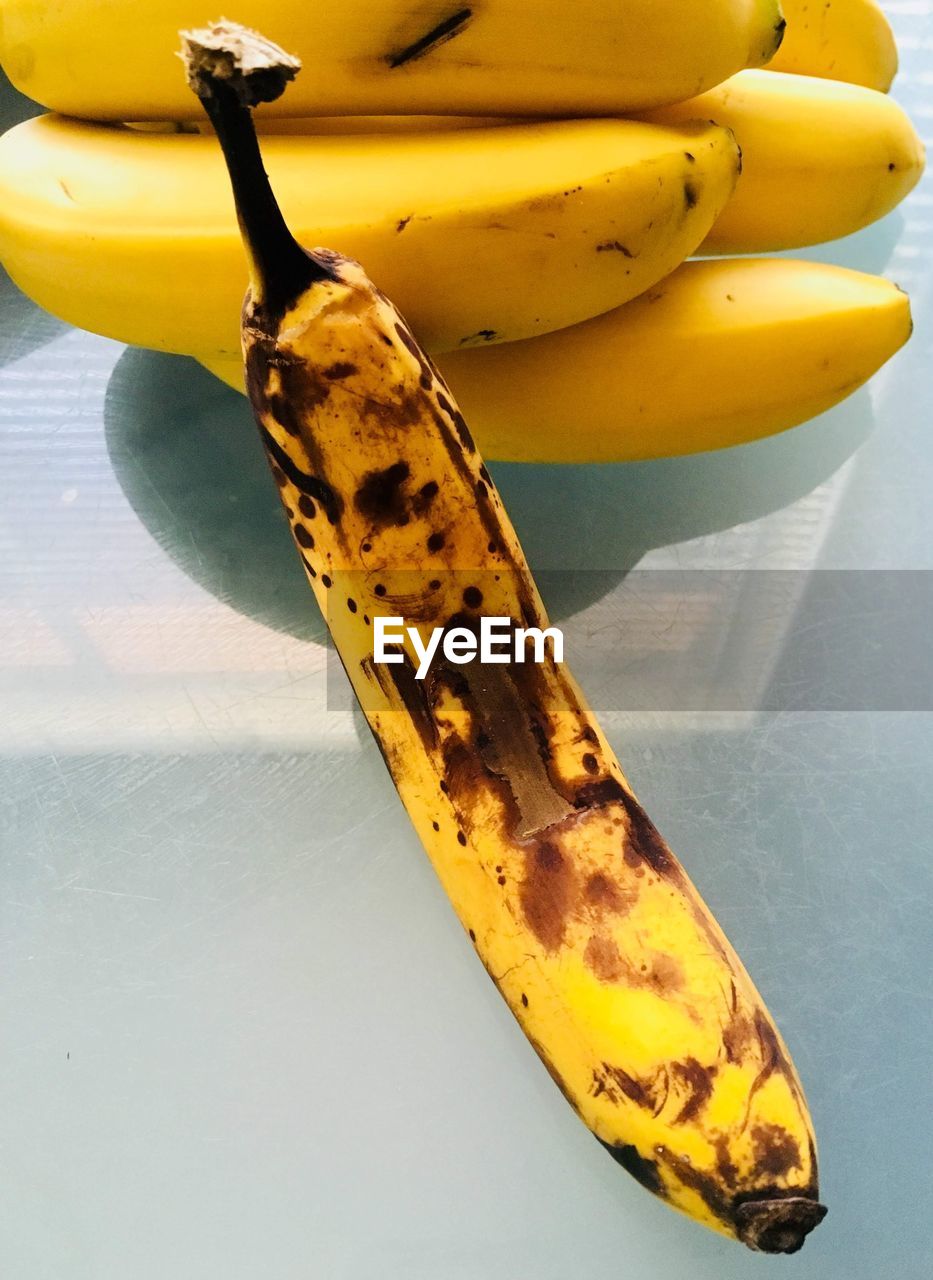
232 69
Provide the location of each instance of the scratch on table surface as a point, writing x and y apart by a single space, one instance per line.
200 717
56 764
339 838
114 893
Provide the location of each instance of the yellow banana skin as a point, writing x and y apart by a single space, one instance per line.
820 159
720 353
847 40
602 948
524 57
483 234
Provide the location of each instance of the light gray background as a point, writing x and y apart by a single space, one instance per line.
242 1032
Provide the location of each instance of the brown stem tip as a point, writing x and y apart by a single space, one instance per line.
252 66
779 1225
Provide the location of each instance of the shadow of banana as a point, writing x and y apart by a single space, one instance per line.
187 455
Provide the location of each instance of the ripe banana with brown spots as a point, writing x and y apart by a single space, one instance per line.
608 958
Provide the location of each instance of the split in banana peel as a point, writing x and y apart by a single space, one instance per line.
611 963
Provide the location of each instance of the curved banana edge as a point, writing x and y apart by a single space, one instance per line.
719 354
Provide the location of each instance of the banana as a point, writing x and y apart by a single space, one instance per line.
847 40
820 159
615 969
523 57
484 234
720 353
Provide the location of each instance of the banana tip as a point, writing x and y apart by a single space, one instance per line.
778 1225
252 66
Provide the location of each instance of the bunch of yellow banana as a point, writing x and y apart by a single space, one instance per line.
485 232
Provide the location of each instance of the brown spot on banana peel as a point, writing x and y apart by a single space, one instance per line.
481 336
603 894
379 498
644 1093
643 844
773 1059
775 1151
548 893
780 28
641 1169
447 29
613 1083
302 392
413 695
698 1081
660 973
726 1168
304 481
432 381
603 957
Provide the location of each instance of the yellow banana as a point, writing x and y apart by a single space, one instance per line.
847 40
720 353
484 234
606 955
526 57
820 159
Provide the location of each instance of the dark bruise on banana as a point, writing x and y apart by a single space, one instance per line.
615 969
